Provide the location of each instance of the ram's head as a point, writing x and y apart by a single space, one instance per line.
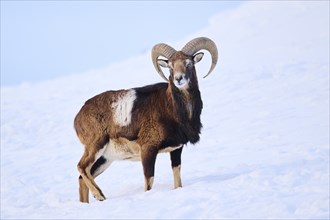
182 63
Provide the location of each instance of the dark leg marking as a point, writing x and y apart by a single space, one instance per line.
98 164
176 157
176 166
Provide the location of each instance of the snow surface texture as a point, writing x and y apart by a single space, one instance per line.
264 149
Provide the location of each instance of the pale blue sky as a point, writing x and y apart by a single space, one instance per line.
42 40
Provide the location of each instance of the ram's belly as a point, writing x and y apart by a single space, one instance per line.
122 149
169 149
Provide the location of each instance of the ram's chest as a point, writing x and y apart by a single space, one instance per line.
189 109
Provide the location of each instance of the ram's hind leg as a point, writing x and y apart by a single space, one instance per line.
84 167
98 167
83 191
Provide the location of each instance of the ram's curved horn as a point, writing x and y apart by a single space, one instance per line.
161 50
201 43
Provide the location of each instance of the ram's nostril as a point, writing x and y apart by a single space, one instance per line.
179 78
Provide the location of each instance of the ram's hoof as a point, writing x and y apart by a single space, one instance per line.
99 197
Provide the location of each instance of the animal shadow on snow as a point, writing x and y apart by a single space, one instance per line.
217 177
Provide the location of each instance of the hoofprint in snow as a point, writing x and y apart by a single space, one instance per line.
264 149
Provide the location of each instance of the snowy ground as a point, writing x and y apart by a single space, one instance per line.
264 149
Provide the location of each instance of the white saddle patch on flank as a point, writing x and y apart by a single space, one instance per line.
122 108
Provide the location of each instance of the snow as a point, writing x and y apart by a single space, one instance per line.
264 149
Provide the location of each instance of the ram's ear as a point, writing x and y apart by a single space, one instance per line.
198 57
163 63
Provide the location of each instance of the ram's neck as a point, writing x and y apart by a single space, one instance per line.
186 104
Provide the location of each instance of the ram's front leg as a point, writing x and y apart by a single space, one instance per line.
176 166
148 157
